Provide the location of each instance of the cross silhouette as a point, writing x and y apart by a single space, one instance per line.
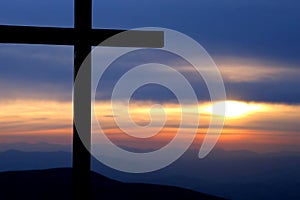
82 37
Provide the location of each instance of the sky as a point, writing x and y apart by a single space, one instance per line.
255 45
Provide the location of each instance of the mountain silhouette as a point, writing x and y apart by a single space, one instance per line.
57 184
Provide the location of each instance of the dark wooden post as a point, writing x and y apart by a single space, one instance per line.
82 100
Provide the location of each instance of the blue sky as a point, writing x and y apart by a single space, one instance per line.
257 34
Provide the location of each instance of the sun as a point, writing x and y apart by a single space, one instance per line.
232 109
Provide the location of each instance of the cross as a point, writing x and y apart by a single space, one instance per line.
82 37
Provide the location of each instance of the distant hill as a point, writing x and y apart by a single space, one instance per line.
56 184
238 175
35 147
13 160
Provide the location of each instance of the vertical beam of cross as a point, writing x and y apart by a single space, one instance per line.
82 99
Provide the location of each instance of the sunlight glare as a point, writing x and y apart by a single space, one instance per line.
233 109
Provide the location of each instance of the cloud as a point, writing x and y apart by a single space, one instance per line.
37 116
44 72
47 73
246 71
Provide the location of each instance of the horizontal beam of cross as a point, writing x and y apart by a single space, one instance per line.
69 36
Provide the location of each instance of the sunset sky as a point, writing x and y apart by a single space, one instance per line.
255 45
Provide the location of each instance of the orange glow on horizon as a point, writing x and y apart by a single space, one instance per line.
254 123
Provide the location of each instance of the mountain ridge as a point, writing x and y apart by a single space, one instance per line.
57 184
